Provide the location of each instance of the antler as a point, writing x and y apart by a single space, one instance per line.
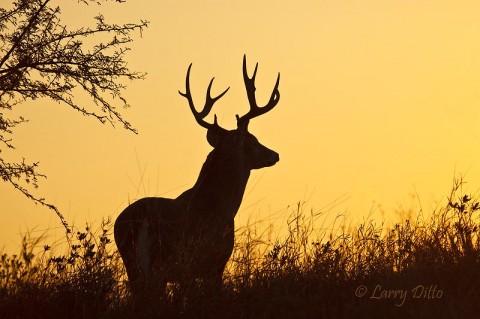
255 110
209 101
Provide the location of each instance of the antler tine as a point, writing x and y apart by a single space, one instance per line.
209 101
255 110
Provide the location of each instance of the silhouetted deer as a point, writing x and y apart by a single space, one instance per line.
192 236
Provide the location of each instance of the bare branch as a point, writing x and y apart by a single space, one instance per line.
26 29
42 58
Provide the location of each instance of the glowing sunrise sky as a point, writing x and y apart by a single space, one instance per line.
380 99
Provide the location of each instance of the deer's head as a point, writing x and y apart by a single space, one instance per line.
239 142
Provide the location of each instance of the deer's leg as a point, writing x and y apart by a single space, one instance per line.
213 281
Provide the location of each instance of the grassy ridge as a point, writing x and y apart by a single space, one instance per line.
422 268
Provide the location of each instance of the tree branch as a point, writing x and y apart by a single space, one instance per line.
30 23
41 58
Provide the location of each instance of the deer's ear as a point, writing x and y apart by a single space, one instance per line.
215 135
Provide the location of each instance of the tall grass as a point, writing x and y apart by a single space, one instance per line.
427 267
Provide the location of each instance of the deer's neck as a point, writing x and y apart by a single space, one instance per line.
220 186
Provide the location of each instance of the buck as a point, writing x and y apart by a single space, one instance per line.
192 236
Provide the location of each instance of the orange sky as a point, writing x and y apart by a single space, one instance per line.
379 100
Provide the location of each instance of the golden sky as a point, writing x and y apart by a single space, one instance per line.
379 100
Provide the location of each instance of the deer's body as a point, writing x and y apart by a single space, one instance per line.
192 236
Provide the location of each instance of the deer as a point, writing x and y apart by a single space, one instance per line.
191 237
